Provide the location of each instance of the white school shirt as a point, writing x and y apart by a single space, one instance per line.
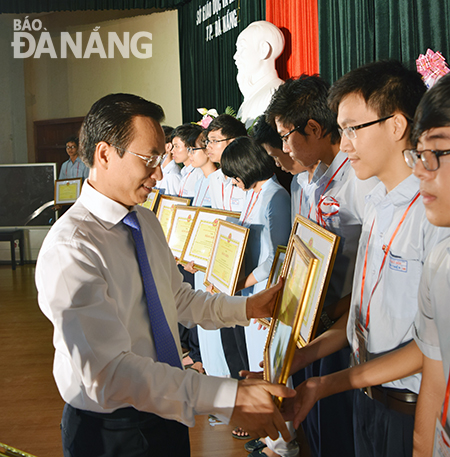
189 176
347 194
302 189
432 322
201 196
223 194
170 184
394 301
75 169
90 288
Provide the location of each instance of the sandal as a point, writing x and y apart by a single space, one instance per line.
243 434
254 445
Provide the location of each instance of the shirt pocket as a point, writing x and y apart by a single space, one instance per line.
403 274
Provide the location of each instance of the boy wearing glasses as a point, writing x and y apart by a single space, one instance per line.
74 167
333 198
220 133
431 165
375 104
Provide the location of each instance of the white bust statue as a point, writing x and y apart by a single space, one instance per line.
257 48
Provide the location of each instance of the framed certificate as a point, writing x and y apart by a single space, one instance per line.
183 217
201 237
151 200
166 208
67 190
274 274
226 257
324 245
299 269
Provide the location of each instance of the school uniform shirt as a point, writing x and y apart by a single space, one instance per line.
301 190
267 215
76 169
210 342
170 184
223 194
189 177
336 201
394 301
432 322
90 288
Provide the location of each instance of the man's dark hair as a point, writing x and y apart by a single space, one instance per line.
229 125
72 139
187 133
247 160
434 109
298 100
110 119
263 133
167 129
386 86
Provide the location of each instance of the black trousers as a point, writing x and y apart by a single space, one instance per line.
123 433
235 349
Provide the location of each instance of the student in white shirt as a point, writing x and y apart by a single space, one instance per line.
182 137
220 133
170 183
430 350
90 287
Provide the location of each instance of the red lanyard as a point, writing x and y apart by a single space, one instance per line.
445 411
223 197
180 193
319 213
300 206
386 251
247 214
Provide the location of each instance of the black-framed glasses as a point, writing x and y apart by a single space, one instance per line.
429 158
213 142
285 137
150 161
192 151
350 132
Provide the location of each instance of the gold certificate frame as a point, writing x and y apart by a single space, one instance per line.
67 190
183 217
299 270
152 198
274 274
226 257
165 211
200 240
324 245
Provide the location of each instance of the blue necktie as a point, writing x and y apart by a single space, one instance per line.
166 349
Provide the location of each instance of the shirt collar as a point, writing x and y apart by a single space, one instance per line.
402 194
337 162
108 212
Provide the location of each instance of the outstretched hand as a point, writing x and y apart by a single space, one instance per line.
263 303
296 409
255 410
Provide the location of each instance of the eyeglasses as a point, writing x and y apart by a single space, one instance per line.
285 137
350 132
71 147
429 158
213 142
152 161
191 151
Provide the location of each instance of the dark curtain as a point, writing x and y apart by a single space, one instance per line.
208 72
354 32
39 6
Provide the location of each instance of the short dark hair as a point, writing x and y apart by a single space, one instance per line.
298 100
230 126
434 109
386 86
188 133
263 133
72 139
247 160
167 129
110 119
